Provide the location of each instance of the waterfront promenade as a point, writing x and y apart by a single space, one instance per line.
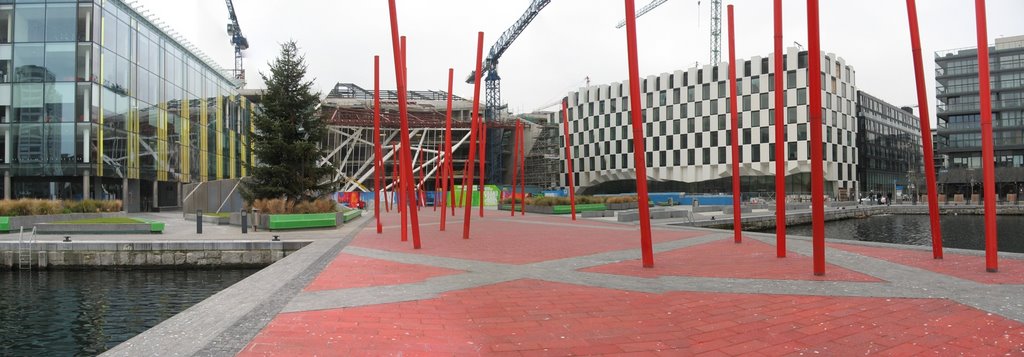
545 285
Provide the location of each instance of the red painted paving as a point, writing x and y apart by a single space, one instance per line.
521 240
529 317
969 267
535 317
351 271
725 259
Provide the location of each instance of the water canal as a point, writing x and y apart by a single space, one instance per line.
83 313
958 231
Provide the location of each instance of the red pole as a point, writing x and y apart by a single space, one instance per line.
515 169
568 156
817 171
780 140
737 196
987 149
438 175
449 181
472 135
639 153
398 192
522 166
926 133
483 161
376 142
419 188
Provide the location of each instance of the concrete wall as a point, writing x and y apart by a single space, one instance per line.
210 195
76 255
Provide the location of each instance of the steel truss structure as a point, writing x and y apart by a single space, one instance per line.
352 155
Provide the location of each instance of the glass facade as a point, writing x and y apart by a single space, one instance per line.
889 142
93 89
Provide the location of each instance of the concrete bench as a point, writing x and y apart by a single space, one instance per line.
99 228
700 209
729 210
627 216
297 221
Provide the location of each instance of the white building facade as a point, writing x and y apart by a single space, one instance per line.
687 129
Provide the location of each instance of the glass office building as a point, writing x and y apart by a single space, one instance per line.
889 145
98 102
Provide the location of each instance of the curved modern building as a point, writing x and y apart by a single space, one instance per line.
686 116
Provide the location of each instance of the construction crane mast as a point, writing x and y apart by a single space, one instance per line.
238 40
716 25
643 10
716 31
490 65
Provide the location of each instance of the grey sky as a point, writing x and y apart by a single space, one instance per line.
572 39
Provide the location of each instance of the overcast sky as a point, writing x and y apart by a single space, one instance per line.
573 39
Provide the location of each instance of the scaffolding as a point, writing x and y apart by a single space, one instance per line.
544 161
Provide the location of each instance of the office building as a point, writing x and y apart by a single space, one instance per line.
959 116
96 101
687 127
889 148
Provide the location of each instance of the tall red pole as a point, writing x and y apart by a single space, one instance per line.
522 166
987 149
419 188
468 196
639 153
376 142
737 197
483 162
926 132
449 182
780 140
438 176
817 171
515 169
568 156
398 191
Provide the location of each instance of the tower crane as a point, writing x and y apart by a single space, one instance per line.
643 10
490 65
238 40
716 25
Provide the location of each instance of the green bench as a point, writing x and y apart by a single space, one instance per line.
353 214
565 209
154 226
5 224
296 221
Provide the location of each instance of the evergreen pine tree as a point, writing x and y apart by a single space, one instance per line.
289 130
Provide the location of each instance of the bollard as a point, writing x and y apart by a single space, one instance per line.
67 239
199 221
245 223
276 238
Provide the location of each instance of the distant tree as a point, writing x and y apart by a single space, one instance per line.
288 134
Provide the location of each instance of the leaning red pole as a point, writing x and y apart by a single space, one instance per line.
926 132
398 192
522 166
780 140
376 142
568 156
737 197
468 196
639 153
817 171
987 149
446 165
515 169
404 114
483 162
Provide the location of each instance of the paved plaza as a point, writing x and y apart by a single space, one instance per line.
545 285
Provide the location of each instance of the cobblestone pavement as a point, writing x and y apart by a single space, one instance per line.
544 285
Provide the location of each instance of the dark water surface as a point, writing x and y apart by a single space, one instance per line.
963 231
83 313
